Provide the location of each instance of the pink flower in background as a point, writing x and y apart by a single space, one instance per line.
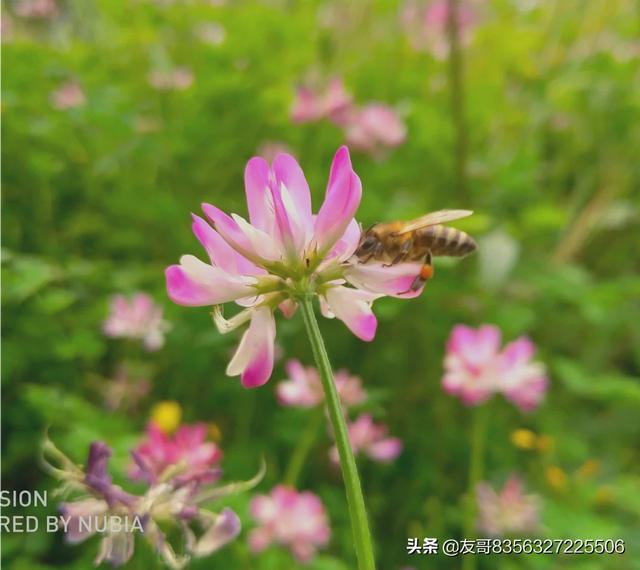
507 512
36 8
124 392
296 520
177 79
472 363
373 127
476 368
187 453
68 96
212 33
303 387
370 438
285 251
270 149
524 382
136 318
6 28
332 104
426 25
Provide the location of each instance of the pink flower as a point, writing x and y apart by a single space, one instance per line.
36 8
177 79
303 387
476 368
472 363
426 25
508 512
136 318
283 253
332 104
297 520
371 439
187 453
524 382
124 391
373 127
270 149
211 33
68 96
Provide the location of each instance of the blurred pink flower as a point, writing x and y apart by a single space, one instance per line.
212 33
123 391
6 28
332 104
370 438
68 96
508 512
476 368
270 149
177 79
303 387
36 8
187 453
524 382
373 127
426 25
296 520
136 318
283 252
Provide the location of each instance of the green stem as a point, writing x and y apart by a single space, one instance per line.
355 499
303 448
479 428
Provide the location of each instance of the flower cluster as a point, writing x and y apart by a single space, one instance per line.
179 474
68 96
177 79
37 9
282 255
303 388
509 511
476 368
297 520
137 318
370 438
426 25
368 128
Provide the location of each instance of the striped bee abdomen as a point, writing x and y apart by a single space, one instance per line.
443 240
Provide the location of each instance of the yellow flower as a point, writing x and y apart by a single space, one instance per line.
556 477
166 415
545 443
523 438
215 433
604 495
589 468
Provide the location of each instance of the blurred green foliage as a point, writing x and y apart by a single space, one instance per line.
97 201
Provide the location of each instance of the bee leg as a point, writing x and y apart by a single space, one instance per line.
377 252
405 250
426 273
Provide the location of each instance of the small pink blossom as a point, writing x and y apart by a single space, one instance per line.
283 251
177 79
36 9
124 391
296 520
508 512
303 387
211 33
332 104
476 368
136 318
370 438
187 453
68 96
270 149
426 25
373 127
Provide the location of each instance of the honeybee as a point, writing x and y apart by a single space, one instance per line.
416 240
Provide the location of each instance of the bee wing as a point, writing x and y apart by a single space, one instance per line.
433 219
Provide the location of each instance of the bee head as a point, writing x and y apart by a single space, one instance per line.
368 241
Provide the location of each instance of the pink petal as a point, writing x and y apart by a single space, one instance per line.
230 231
256 183
225 528
196 284
254 356
341 202
395 281
220 252
385 450
347 244
288 172
353 308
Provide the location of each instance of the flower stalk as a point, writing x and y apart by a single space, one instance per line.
478 437
353 488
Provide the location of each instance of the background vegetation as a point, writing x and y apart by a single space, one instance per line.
97 200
